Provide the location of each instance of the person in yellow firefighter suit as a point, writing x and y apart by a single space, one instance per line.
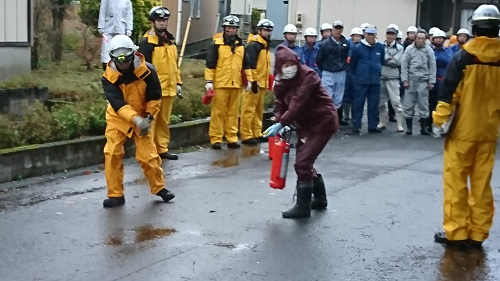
252 107
470 90
133 90
158 48
225 61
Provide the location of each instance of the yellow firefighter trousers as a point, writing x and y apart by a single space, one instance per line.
252 110
224 115
468 214
161 130
145 154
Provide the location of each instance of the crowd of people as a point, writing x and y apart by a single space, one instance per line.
318 87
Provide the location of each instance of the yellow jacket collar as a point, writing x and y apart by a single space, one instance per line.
484 48
140 69
258 38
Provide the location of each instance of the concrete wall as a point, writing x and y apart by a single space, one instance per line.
261 4
353 13
15 61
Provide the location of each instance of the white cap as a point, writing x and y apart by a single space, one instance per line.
393 26
400 35
412 29
338 23
439 33
290 28
356 31
310 32
364 25
432 30
326 26
463 31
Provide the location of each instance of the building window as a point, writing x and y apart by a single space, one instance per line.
15 23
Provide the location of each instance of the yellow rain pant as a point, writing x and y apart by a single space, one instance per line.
252 110
145 154
161 124
468 214
224 115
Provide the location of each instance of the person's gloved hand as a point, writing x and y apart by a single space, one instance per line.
273 130
179 92
100 30
129 33
255 87
284 129
437 132
209 86
249 86
143 124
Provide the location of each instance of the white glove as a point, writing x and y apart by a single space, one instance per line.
249 86
100 30
209 86
129 33
143 124
437 132
179 92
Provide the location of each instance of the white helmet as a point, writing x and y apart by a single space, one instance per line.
432 30
400 35
265 24
412 29
290 28
310 32
356 31
364 25
393 26
326 26
121 48
463 31
486 15
439 33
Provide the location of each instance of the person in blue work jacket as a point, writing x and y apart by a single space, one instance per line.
443 57
349 91
290 33
332 61
310 49
367 59
463 36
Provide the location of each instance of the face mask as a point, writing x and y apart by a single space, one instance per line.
289 72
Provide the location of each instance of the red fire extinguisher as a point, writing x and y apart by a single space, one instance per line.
207 98
271 141
280 155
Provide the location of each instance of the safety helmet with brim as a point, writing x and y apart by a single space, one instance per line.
121 48
231 21
265 24
159 12
486 16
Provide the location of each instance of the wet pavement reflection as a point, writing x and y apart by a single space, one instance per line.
143 233
470 265
230 157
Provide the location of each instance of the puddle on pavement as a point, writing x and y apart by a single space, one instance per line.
231 157
142 234
236 247
469 265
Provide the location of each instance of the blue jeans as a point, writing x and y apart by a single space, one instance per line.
334 82
370 92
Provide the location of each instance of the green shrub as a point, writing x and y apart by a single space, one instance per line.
37 125
72 122
71 42
9 136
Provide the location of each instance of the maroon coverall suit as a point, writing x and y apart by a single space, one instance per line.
303 101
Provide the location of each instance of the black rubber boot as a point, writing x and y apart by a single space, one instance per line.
319 201
166 195
424 130
250 142
104 66
233 145
302 208
409 126
217 145
263 139
112 202
440 237
169 156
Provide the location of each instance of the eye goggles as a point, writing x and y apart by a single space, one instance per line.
121 56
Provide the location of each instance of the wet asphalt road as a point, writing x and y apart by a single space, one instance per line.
225 223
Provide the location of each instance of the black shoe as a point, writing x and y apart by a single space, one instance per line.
319 201
409 126
392 119
302 208
475 244
250 142
112 202
424 127
169 156
344 123
356 131
166 195
440 237
263 139
376 130
233 145
217 145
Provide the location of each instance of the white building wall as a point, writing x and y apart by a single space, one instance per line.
353 13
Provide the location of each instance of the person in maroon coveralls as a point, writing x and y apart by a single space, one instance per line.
301 99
